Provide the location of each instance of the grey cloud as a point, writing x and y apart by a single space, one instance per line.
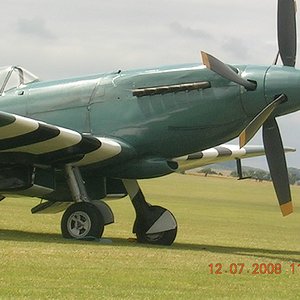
187 31
35 27
236 47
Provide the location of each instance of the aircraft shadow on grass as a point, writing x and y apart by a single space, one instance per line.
282 255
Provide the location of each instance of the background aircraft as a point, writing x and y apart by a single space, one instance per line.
83 139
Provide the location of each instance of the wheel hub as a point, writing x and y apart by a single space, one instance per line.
79 224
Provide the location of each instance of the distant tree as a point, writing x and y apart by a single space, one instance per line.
207 171
234 174
293 178
254 173
260 175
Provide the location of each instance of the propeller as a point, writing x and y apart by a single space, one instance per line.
286 31
225 71
248 133
277 165
287 44
274 151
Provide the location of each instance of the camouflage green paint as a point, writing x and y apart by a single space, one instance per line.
161 125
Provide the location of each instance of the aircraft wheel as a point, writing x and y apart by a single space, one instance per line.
159 217
165 238
82 220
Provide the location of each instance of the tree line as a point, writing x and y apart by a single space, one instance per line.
257 174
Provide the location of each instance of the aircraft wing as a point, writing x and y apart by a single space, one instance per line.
220 154
23 139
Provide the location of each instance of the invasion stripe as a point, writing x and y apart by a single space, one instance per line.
219 154
210 153
223 151
29 140
108 149
6 119
59 138
43 133
19 126
72 153
196 155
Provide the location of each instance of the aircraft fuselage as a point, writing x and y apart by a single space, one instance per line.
159 112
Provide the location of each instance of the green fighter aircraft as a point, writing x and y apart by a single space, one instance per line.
78 141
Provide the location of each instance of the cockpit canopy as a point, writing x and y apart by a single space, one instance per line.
12 77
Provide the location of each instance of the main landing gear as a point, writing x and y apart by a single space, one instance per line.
83 219
86 219
153 224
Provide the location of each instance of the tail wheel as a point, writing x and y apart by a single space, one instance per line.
82 220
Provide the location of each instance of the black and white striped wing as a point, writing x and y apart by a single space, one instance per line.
24 140
220 154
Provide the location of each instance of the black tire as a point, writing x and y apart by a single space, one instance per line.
165 238
82 220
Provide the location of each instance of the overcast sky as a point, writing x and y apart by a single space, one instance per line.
58 39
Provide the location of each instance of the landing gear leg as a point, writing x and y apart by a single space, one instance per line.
153 224
82 220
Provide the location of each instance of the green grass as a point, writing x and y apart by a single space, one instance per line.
220 221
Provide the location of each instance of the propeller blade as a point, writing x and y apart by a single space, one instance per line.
248 133
276 59
287 32
277 165
225 71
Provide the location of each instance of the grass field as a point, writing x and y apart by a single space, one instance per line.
220 221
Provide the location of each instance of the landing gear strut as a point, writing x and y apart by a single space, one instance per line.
82 220
153 224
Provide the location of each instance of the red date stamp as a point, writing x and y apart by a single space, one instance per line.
254 269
